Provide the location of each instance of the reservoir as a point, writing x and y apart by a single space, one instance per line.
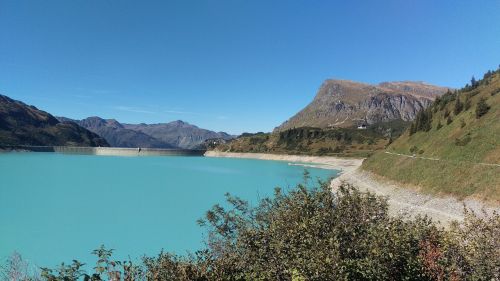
58 207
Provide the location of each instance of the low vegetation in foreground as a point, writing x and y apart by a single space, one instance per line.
317 141
460 132
308 233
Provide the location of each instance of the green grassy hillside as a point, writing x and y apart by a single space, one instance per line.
462 130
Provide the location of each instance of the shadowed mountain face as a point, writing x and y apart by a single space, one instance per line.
342 103
117 135
177 134
22 124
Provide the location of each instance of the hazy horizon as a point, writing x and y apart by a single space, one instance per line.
231 66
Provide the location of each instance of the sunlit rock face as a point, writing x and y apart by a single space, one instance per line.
343 103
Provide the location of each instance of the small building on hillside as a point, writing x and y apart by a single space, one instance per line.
362 126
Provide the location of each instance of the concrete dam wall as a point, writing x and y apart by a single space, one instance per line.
110 151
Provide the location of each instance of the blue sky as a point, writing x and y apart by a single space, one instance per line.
231 65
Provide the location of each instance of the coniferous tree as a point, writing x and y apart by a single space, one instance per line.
446 113
482 108
428 121
473 82
423 121
458 106
488 74
412 128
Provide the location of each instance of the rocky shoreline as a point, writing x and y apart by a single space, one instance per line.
401 199
325 162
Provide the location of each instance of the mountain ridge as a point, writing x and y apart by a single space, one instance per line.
178 133
22 124
345 103
174 134
117 135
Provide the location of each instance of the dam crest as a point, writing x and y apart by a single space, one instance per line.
107 151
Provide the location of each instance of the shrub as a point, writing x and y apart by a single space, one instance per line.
324 150
316 235
105 269
18 269
463 141
413 149
472 249
449 120
338 149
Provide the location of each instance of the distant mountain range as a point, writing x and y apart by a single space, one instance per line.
343 103
116 134
178 133
163 135
22 124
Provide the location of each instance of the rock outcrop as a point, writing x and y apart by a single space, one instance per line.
342 103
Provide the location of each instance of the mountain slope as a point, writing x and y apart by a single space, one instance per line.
117 135
317 141
22 124
178 133
464 146
342 103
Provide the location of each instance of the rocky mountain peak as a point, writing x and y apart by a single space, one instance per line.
345 103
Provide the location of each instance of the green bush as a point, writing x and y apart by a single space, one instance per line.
413 149
463 141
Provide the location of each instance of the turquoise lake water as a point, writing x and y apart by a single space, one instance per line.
57 207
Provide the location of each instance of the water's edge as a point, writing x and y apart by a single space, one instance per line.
110 151
323 162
